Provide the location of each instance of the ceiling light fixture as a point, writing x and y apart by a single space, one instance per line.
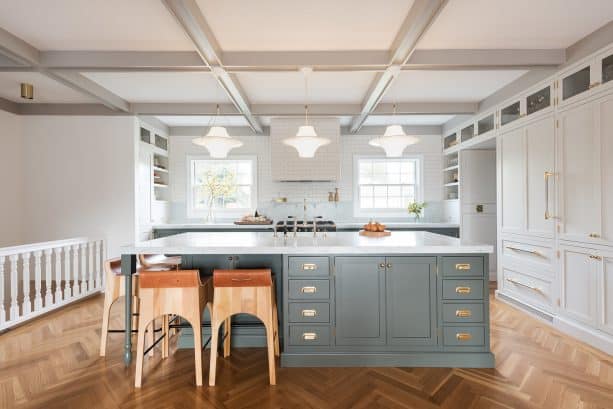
217 141
306 141
394 140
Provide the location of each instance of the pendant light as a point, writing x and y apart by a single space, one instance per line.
306 141
394 140
217 141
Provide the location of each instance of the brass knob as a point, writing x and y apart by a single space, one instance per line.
389 265
382 265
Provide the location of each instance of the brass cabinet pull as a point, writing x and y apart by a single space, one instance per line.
389 265
309 336
309 313
308 290
309 266
536 289
381 265
536 253
595 257
463 313
547 176
462 290
594 235
462 266
463 336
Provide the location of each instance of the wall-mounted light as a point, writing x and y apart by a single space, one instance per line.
27 91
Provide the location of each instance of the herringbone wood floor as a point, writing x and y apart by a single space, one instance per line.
53 363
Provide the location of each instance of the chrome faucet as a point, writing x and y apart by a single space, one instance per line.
304 215
315 220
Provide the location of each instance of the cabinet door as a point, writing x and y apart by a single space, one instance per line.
145 186
540 157
606 297
605 126
579 285
360 300
512 170
411 300
579 171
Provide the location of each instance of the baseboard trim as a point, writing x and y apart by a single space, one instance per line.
585 334
544 315
418 359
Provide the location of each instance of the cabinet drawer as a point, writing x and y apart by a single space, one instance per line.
526 287
538 255
309 266
304 335
463 289
458 313
309 312
463 336
463 266
309 289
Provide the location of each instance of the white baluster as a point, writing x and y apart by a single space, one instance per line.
90 269
14 311
38 300
27 304
58 276
83 268
2 311
48 293
75 272
99 275
69 288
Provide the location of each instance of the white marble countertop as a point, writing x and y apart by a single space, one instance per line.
340 225
400 242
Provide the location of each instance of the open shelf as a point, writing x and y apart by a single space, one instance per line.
454 167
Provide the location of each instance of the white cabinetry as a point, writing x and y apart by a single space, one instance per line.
512 181
606 291
579 284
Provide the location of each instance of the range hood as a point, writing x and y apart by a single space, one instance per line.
287 166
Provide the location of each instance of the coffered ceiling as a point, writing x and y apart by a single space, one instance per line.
178 59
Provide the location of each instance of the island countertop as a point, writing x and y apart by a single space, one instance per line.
399 242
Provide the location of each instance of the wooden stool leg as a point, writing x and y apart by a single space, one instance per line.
215 324
111 281
275 321
227 336
140 350
196 322
166 335
270 342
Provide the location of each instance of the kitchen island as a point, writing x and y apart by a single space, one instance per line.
409 299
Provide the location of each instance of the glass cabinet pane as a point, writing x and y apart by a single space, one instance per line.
145 135
161 142
467 133
539 100
485 125
607 69
450 140
509 114
576 83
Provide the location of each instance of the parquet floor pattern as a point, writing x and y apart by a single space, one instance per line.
53 362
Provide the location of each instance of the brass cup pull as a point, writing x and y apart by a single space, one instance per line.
462 290
309 266
463 313
462 266
594 235
309 313
463 336
309 336
308 290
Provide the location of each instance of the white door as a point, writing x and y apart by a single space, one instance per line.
579 284
605 127
579 173
145 186
540 158
512 172
606 296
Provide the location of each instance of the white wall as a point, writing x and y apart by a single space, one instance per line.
79 178
11 202
351 145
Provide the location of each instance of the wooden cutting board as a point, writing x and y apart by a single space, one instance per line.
375 233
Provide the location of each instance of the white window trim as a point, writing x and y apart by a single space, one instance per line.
385 213
221 213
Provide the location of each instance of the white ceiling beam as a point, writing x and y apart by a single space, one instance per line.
485 59
9 106
190 17
18 50
420 17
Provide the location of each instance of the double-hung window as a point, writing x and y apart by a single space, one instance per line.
386 186
228 186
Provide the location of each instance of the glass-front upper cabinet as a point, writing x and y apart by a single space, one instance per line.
145 135
538 100
467 133
485 125
451 140
510 113
576 82
606 68
591 75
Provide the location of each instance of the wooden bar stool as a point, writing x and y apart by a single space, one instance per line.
114 288
178 292
244 291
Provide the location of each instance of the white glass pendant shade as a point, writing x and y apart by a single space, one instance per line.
306 141
394 141
217 142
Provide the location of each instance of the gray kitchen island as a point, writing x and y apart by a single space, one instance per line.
409 299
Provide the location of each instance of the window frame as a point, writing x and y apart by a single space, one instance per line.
192 212
382 213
